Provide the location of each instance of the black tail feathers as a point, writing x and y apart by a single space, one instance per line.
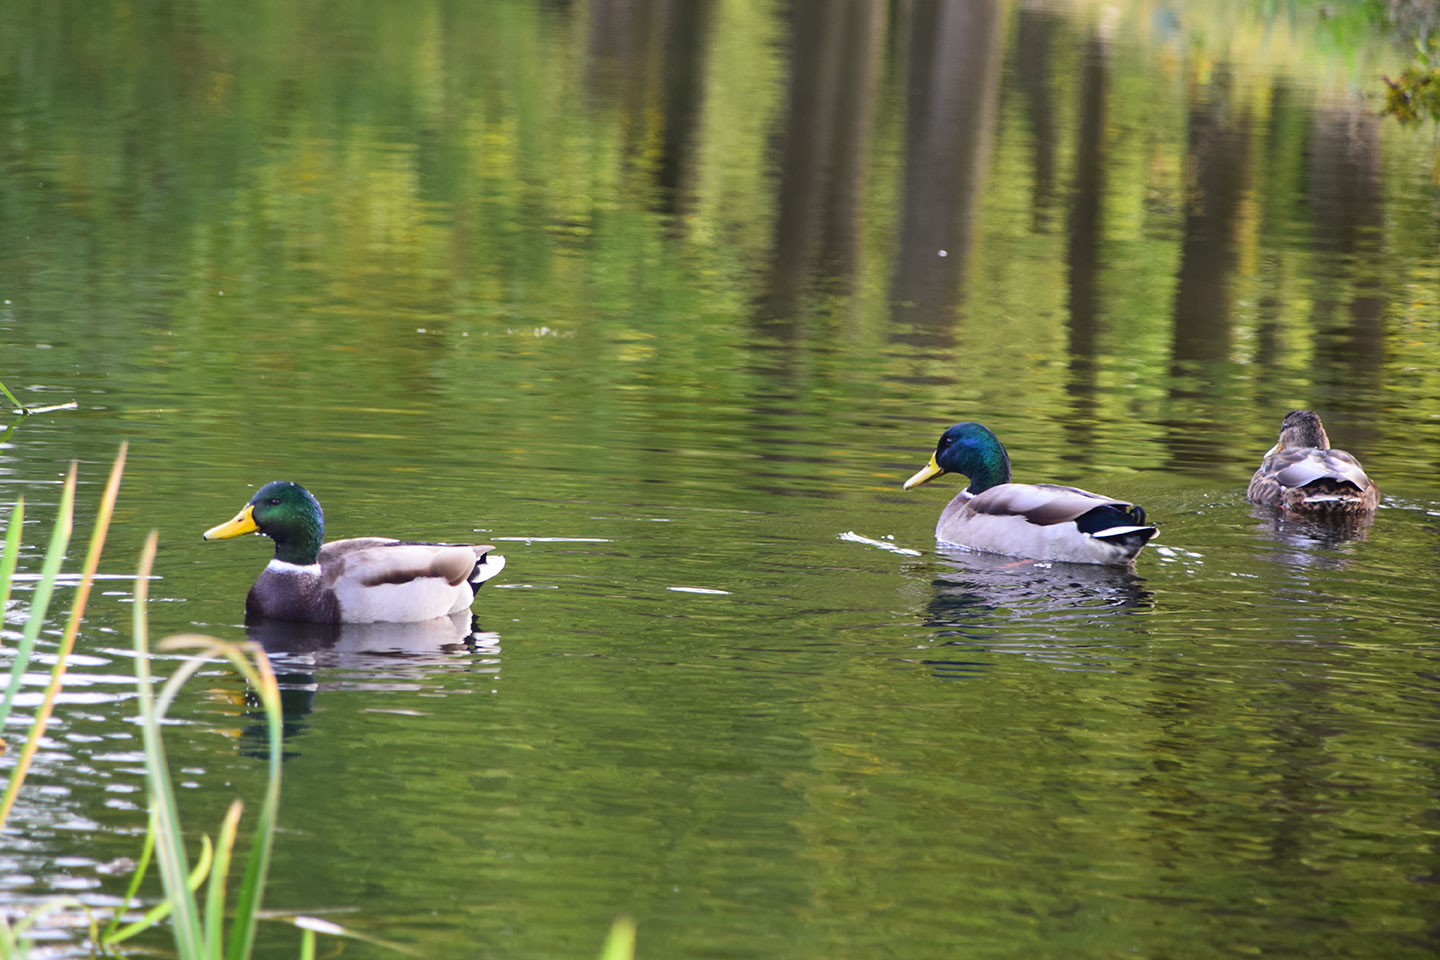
1109 515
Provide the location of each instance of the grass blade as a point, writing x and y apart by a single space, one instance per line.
257 866
11 556
261 678
40 602
215 896
40 599
162 909
135 880
313 925
72 626
620 944
13 398
169 843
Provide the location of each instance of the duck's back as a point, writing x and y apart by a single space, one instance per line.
373 578
1046 521
1309 479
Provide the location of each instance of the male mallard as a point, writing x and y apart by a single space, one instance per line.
351 581
1301 473
1041 521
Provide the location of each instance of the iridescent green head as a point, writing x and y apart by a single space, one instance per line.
286 513
971 449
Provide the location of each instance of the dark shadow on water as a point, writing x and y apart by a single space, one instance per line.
375 657
1073 616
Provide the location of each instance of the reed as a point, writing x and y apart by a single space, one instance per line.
40 603
199 933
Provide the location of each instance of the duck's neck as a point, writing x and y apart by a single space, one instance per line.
301 545
1305 435
989 466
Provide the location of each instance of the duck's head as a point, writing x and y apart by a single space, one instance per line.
286 513
967 448
1302 428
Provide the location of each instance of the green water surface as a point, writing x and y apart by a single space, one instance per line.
666 300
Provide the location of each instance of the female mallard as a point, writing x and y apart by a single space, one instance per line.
1040 521
1301 473
351 581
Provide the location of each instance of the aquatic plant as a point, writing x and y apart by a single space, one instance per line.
1415 94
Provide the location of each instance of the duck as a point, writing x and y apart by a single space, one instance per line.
363 580
1303 474
1035 521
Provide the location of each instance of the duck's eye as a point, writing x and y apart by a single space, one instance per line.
273 501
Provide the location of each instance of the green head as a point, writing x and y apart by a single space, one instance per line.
971 449
286 513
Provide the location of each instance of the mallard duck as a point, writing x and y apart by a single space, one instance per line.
364 580
1303 474
1039 521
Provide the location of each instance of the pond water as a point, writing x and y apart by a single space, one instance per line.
666 300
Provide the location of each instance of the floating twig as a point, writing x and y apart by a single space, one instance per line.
28 411
24 411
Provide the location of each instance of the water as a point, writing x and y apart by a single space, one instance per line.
653 298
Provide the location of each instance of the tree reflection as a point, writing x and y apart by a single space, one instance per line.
1349 234
824 152
1217 158
1035 29
953 67
1083 251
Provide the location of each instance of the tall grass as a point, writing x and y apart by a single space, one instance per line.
199 935
40 603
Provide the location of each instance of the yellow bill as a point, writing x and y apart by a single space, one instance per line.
927 473
243 523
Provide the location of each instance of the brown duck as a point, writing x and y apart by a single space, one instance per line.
1302 473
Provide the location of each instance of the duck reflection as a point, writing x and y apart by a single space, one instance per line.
310 657
1071 615
1311 541
335 644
